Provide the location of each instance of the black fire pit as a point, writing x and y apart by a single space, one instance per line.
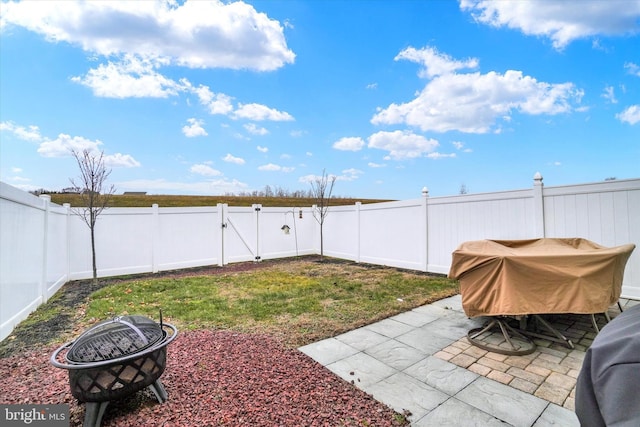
115 359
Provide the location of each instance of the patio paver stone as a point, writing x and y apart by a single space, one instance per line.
421 361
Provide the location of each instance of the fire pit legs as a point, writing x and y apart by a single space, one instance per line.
158 389
94 411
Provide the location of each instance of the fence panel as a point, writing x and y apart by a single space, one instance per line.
606 213
456 219
22 221
389 234
295 239
186 237
340 233
57 249
123 239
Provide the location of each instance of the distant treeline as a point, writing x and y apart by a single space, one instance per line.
277 191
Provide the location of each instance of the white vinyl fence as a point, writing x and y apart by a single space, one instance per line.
43 245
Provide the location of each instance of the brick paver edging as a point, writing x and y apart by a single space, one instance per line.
550 372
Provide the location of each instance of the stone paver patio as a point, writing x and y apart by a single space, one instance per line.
420 363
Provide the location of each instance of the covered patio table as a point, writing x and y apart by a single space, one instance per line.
538 276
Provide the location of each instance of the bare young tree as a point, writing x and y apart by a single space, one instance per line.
321 189
94 195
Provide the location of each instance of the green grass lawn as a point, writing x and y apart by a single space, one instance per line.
300 301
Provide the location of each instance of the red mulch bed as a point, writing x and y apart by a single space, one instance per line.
213 378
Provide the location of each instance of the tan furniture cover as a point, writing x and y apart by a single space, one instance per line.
538 276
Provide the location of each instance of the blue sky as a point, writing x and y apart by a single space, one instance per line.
208 97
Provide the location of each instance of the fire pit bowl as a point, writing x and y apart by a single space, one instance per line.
115 359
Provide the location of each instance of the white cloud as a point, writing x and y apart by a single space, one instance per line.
474 102
460 146
262 149
349 175
434 62
64 144
205 170
349 144
440 155
195 34
194 128
402 144
609 94
259 112
630 115
598 46
134 77
22 183
220 103
255 130
216 103
139 38
632 69
297 133
238 135
314 178
270 167
130 77
372 86
559 20
31 133
376 165
231 159
119 160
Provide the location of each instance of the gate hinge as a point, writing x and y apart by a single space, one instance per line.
258 258
257 209
224 225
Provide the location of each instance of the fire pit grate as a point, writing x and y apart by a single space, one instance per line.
113 343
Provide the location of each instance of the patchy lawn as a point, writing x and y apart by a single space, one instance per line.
299 301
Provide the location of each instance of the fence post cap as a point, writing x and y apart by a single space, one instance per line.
537 177
425 191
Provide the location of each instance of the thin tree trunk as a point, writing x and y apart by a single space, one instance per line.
93 255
